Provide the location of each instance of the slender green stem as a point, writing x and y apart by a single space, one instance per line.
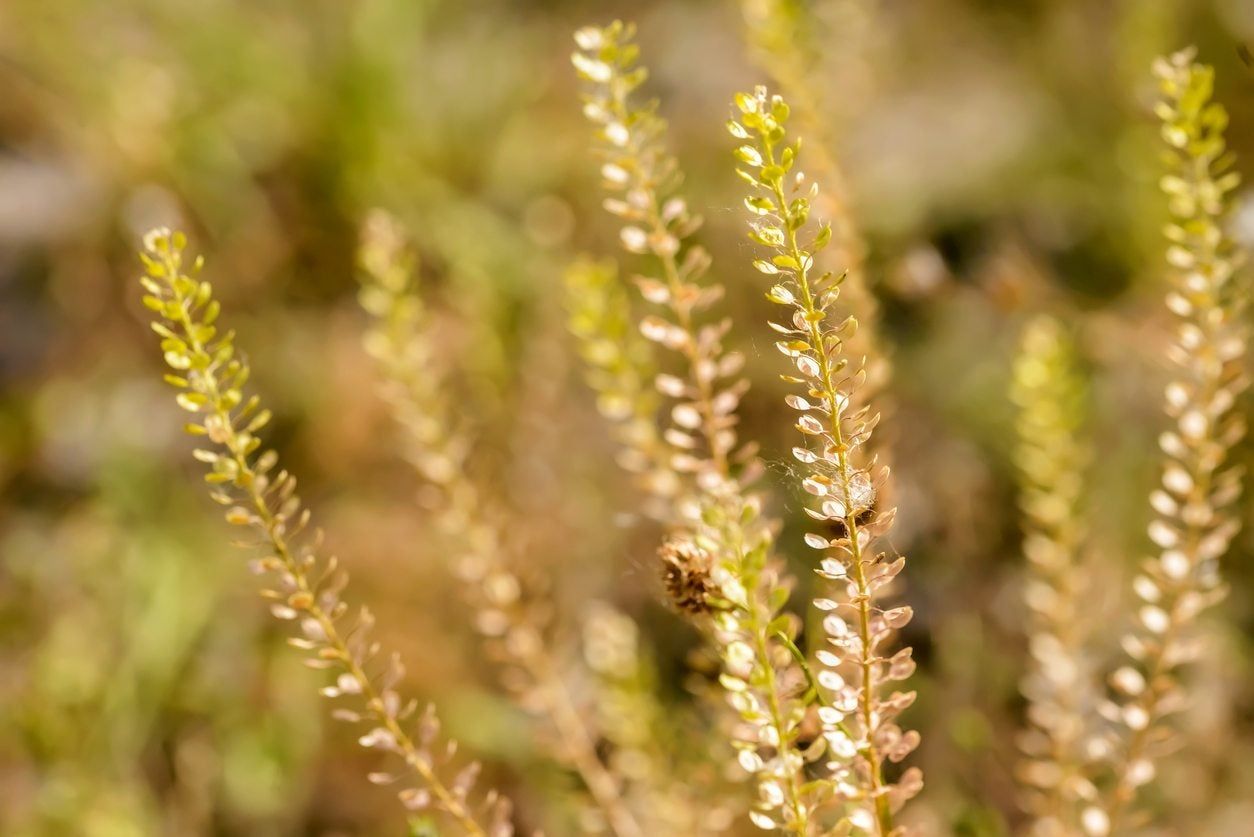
813 692
761 638
862 601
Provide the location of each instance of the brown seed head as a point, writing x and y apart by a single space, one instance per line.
686 575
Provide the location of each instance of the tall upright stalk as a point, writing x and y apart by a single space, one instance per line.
1194 522
857 719
717 558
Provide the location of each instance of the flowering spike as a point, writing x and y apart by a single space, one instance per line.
642 179
858 721
510 622
1059 683
717 564
306 589
1195 522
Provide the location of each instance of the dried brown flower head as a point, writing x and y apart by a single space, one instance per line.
686 574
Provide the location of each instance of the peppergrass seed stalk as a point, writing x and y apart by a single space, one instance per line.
718 558
643 179
305 588
753 636
857 719
1059 683
619 369
781 34
1193 523
512 627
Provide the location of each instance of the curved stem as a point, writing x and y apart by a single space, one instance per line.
248 479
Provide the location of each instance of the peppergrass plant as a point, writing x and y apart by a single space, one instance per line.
1060 683
717 559
857 718
512 626
1194 522
813 718
781 34
303 587
1081 780
854 775
642 179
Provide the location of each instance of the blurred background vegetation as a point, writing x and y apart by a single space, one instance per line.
1003 162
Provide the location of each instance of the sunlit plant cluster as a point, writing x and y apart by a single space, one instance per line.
803 725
